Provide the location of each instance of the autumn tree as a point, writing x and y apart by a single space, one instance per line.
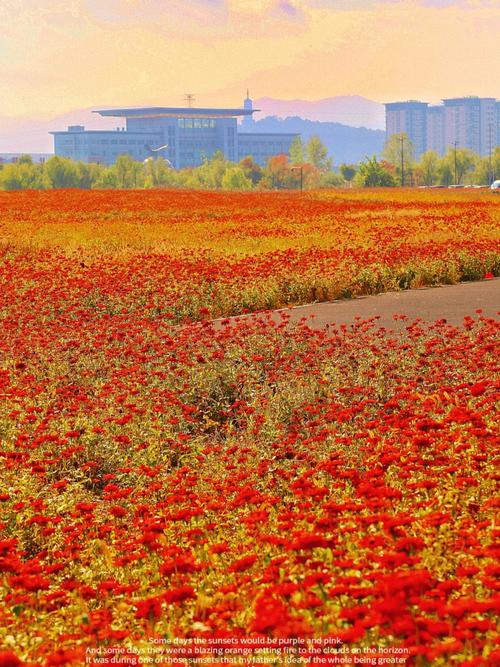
277 174
251 169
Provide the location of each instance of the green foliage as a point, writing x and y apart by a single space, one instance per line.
106 179
348 171
457 163
330 180
429 168
317 154
128 173
297 151
23 175
372 174
235 179
400 152
486 169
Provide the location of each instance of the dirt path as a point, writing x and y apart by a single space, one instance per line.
449 302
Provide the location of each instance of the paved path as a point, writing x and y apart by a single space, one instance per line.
449 302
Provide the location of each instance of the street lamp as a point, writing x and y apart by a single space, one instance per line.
491 175
401 139
301 169
455 144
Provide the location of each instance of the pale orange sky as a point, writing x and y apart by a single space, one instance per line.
60 55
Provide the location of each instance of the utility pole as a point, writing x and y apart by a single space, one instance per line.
189 97
455 144
491 175
401 139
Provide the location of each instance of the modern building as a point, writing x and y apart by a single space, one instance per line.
183 136
409 118
435 129
470 122
464 122
102 146
497 114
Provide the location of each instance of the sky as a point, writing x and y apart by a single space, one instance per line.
61 55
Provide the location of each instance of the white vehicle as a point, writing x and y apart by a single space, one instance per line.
495 186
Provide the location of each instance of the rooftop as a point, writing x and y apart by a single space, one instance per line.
162 112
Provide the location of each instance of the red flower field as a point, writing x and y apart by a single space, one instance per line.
165 479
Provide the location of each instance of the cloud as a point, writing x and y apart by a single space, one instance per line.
59 55
286 7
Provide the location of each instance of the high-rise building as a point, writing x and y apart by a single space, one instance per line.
464 122
497 114
409 118
469 122
435 129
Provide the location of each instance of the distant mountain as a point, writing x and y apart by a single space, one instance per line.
350 110
345 144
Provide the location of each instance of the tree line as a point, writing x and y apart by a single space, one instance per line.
308 166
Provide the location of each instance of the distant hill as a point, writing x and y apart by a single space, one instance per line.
345 144
351 110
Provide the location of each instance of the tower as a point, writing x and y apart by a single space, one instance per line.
248 106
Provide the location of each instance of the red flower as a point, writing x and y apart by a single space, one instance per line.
149 608
9 659
243 564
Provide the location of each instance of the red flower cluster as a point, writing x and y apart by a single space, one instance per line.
250 478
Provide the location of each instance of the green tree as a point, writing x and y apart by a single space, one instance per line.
158 173
235 179
106 180
457 163
209 174
23 175
445 173
486 169
428 168
330 179
400 152
61 172
348 172
316 154
13 177
128 173
372 173
297 151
